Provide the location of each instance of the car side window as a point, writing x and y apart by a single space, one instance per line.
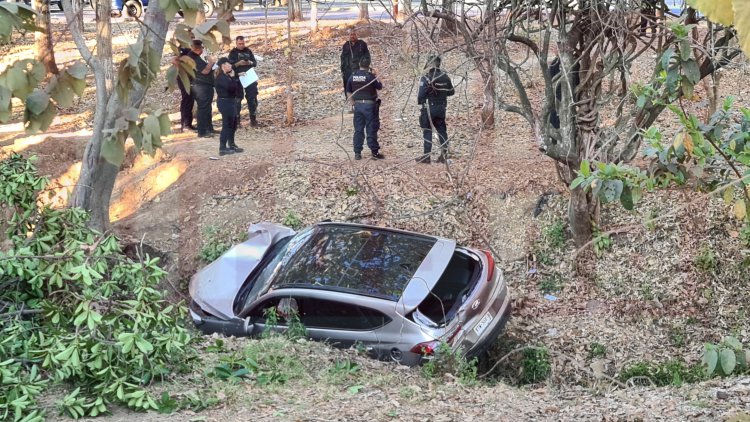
321 313
259 314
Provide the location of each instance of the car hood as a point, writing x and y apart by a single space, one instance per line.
427 275
215 286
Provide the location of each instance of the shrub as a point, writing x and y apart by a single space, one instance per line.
535 366
448 361
555 234
75 310
725 358
706 259
672 372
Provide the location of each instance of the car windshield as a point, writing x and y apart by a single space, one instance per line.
366 260
259 278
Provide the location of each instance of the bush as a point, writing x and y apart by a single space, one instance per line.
672 372
555 234
75 310
449 361
535 366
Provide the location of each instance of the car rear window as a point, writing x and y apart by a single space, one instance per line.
369 261
451 290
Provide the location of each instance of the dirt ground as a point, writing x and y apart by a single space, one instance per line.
636 300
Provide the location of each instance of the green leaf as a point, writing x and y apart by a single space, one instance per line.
78 70
354 389
666 58
611 190
37 102
710 359
62 91
728 361
740 211
733 342
585 168
692 71
113 150
728 195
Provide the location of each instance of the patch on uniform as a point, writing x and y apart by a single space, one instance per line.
359 78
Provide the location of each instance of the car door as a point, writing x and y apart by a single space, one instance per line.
340 323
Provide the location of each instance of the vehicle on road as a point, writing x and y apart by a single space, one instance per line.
397 294
135 8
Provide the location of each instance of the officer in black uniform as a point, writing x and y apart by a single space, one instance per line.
202 88
362 87
434 89
242 59
186 98
352 52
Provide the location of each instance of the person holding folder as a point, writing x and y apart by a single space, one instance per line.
243 61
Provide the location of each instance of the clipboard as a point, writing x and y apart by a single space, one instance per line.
249 78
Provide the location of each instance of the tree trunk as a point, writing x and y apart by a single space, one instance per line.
364 12
406 9
97 179
449 26
44 51
582 211
313 16
295 10
395 10
290 79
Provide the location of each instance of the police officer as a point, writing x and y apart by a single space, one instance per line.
228 88
202 88
352 52
434 89
242 59
186 98
362 87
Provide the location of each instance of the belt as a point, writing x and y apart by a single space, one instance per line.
365 101
434 103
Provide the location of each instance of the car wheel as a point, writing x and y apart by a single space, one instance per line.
134 9
208 8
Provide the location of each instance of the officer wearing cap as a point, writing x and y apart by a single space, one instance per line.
202 87
434 89
362 87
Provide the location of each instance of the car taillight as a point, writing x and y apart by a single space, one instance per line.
427 348
453 335
490 265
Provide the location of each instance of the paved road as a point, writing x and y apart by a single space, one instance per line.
339 10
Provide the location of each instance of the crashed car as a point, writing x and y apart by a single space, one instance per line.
395 293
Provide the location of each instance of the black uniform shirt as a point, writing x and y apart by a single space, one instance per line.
363 85
227 86
238 55
351 54
435 86
201 64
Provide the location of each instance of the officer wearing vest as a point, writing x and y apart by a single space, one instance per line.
434 89
362 87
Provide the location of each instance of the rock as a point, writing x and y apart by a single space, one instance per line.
722 395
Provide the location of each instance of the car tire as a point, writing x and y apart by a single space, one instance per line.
208 8
133 8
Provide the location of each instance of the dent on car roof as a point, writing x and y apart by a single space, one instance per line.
373 261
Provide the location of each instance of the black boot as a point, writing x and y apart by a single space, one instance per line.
235 148
443 158
425 159
253 121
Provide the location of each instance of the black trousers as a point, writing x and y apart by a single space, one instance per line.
366 120
434 116
251 96
345 76
228 109
204 97
186 106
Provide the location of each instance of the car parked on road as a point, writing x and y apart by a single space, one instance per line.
398 294
134 8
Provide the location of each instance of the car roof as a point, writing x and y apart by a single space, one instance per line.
358 259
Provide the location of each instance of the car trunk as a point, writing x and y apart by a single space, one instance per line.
453 289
